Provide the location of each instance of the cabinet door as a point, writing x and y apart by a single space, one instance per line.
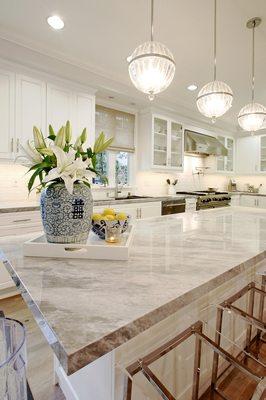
263 153
176 145
60 104
261 202
7 113
248 201
152 209
30 108
85 116
221 160
226 163
160 142
248 155
230 145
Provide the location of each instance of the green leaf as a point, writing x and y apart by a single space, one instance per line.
32 179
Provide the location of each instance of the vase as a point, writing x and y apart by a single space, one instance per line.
171 190
66 217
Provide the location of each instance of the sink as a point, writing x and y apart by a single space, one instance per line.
133 197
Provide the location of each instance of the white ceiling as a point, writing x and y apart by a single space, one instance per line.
100 34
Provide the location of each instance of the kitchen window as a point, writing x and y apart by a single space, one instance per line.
116 163
114 166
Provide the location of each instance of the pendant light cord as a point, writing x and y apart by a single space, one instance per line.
214 38
253 61
152 6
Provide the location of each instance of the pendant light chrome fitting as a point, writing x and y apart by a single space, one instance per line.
252 116
151 66
215 98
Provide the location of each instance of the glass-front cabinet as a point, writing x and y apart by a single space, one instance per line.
263 154
226 163
167 144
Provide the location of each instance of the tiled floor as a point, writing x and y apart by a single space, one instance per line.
40 356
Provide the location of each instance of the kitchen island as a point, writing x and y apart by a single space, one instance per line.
90 310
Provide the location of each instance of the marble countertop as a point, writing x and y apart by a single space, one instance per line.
33 206
239 192
87 308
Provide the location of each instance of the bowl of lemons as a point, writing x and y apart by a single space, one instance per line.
111 218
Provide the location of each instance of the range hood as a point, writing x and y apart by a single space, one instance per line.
204 145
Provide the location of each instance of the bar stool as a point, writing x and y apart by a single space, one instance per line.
143 365
13 383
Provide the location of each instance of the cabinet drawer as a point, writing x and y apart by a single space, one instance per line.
20 222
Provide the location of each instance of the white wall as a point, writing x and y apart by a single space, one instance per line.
154 183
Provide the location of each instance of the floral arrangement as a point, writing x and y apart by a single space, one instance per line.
173 183
56 159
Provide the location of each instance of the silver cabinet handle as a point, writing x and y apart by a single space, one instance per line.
137 213
12 145
140 213
17 145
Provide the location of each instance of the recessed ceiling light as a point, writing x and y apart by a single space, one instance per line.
192 87
55 22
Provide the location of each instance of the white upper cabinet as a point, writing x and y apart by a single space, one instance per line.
78 108
160 143
7 113
85 115
226 163
248 155
263 153
60 106
30 108
26 101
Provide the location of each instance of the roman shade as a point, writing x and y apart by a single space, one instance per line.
117 124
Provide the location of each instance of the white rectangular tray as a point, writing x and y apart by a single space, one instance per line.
95 248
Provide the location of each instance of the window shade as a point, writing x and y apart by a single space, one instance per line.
117 124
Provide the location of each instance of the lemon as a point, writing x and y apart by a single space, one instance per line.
110 217
121 216
108 211
96 217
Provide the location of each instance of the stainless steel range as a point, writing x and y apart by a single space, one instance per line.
207 199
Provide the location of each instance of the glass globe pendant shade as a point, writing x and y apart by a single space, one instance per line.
214 99
252 116
151 68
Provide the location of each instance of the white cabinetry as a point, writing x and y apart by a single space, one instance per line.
15 223
135 210
30 108
262 153
253 201
59 106
7 113
235 200
248 155
226 163
160 143
64 104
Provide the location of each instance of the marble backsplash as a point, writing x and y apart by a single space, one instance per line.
13 182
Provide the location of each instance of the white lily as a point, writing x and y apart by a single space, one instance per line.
68 169
31 156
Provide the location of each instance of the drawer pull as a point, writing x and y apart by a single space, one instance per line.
22 220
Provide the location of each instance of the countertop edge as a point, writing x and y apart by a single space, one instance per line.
46 329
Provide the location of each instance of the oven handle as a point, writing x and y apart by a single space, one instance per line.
174 205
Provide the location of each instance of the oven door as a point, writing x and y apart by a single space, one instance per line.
173 206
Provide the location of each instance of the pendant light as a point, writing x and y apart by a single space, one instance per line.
215 98
251 117
151 66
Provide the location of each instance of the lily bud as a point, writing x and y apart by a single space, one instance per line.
68 131
38 139
60 140
77 143
46 152
83 136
